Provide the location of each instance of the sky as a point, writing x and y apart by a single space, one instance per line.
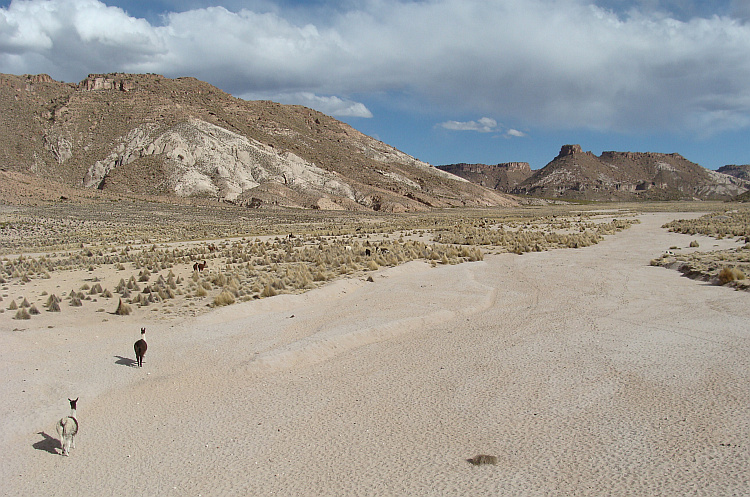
446 81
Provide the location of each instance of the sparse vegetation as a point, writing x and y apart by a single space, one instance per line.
273 253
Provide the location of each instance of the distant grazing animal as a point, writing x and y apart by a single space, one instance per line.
211 247
140 348
367 252
67 428
199 266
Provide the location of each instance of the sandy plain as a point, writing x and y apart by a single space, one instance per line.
584 371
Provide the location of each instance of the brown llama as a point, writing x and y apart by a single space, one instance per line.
140 348
200 266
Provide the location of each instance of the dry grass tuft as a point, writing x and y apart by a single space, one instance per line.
480 459
22 314
224 298
123 309
727 275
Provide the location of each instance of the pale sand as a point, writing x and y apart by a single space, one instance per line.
586 372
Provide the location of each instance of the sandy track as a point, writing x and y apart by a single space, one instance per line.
587 372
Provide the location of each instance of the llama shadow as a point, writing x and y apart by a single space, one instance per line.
48 443
126 361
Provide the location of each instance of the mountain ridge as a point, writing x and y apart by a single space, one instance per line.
618 176
144 133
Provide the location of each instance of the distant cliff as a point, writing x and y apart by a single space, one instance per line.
503 177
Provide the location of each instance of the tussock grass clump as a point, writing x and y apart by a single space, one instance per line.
224 298
268 291
727 275
13 306
22 313
123 309
694 244
33 310
54 306
52 299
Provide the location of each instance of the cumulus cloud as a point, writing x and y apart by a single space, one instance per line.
554 63
331 105
514 133
483 125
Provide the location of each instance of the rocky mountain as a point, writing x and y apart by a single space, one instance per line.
742 172
147 134
503 177
576 174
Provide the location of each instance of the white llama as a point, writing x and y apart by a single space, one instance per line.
67 428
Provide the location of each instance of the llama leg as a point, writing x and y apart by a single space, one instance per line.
66 446
73 442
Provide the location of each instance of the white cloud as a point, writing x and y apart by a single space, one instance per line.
515 133
331 105
483 125
555 63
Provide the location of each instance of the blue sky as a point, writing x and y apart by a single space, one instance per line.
443 80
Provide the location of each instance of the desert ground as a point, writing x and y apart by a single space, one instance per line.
582 371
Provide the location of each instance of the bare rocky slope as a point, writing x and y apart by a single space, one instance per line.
579 175
147 134
503 177
742 171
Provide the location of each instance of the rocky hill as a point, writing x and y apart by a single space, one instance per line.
742 172
147 134
503 177
576 174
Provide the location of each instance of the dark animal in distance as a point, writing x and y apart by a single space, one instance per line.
199 266
140 348
67 428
